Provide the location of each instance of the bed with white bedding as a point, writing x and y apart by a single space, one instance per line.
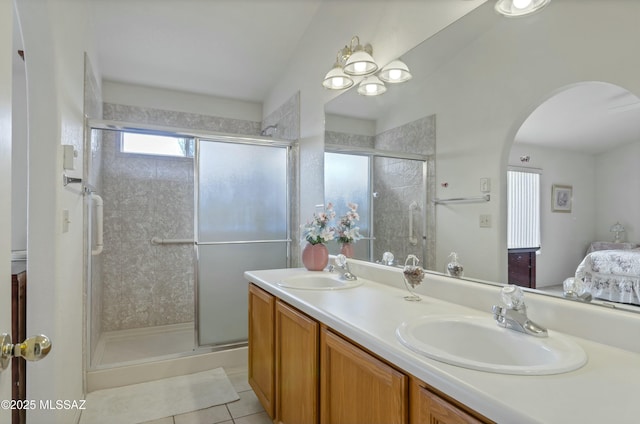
612 275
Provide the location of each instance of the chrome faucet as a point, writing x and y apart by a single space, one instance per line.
342 268
387 259
514 315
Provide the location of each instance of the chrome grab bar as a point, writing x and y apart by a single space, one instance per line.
160 241
216 243
99 205
412 240
483 198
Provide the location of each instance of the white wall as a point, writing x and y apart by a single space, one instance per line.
618 184
55 39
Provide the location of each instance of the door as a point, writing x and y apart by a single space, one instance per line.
242 224
6 25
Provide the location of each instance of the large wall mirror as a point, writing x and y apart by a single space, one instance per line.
487 90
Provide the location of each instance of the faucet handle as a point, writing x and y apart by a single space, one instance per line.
498 313
512 296
341 260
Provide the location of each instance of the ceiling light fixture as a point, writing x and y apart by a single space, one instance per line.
514 8
357 60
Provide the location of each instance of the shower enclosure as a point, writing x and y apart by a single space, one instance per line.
391 192
184 215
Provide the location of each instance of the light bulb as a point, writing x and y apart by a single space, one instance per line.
395 74
360 66
370 88
337 82
521 4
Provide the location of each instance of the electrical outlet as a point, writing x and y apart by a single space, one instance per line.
485 221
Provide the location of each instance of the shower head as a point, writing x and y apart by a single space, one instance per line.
273 128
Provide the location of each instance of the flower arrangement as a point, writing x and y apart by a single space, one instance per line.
347 230
318 230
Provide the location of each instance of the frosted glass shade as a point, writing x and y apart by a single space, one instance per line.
371 86
395 72
336 79
360 63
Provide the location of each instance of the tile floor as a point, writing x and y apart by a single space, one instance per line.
247 410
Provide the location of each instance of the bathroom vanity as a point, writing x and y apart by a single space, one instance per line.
332 355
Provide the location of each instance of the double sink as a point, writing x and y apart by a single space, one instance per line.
468 341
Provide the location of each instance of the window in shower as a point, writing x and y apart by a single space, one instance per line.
156 145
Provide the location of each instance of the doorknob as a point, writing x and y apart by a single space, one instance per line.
32 349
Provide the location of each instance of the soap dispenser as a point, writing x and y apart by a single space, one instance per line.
454 268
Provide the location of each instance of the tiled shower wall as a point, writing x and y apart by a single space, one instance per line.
287 118
147 285
399 183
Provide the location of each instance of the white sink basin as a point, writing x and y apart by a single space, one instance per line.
479 343
318 281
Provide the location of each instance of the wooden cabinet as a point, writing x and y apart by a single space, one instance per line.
296 366
262 347
428 407
283 359
356 387
522 267
304 372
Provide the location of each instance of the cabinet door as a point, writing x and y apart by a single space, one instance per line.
356 387
429 408
262 347
296 366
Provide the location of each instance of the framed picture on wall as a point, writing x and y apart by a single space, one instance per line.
561 196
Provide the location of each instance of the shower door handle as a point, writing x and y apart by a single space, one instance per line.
99 206
32 349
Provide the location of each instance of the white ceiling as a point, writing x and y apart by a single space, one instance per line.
225 48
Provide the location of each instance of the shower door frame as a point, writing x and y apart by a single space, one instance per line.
372 154
124 126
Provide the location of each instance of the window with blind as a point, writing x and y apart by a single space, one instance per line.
523 216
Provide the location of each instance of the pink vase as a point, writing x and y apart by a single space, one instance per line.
347 250
315 257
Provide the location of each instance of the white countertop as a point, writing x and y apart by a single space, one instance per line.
605 390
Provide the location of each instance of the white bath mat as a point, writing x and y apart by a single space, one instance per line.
158 399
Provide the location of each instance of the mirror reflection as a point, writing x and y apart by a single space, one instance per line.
584 143
489 85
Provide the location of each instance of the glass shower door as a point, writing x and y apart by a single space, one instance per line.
242 224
